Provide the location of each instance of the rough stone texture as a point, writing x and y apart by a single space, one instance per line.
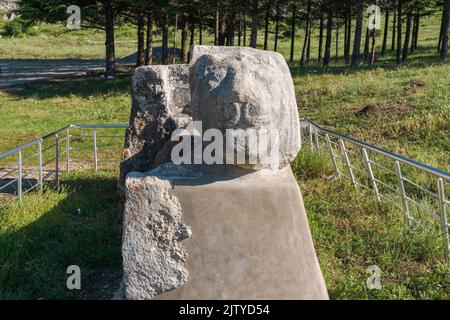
250 235
160 104
153 257
6 5
243 88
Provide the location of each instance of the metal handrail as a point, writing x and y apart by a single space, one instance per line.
362 144
374 182
112 125
20 148
58 149
47 136
63 134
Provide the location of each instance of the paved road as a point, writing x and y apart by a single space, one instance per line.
17 72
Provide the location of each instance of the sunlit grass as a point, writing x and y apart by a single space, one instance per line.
410 115
352 231
44 234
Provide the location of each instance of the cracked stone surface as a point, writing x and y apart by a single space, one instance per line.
153 256
160 104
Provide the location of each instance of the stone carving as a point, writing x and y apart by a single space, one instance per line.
245 88
160 104
250 237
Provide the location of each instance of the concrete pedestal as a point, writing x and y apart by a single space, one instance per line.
250 238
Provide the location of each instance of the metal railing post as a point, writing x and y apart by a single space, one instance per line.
347 161
371 176
316 138
95 150
333 156
56 159
40 172
443 214
68 149
402 192
310 135
19 176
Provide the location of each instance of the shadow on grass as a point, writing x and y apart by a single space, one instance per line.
43 235
423 57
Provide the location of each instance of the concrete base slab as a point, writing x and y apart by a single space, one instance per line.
250 237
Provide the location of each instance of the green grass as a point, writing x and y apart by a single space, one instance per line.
352 231
405 118
410 115
43 235
59 43
36 111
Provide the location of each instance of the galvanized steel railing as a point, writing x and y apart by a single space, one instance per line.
40 161
357 161
385 175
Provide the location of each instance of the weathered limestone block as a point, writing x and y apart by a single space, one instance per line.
153 256
250 236
160 104
245 88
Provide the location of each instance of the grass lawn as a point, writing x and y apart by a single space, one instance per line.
407 110
43 235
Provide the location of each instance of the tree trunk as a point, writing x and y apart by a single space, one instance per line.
200 29
307 31
394 25
416 35
184 40
327 56
254 35
441 30
216 27
407 36
110 57
149 51
291 56
231 20
319 57
413 32
192 36
385 35
266 27
240 29
399 32
245 30
165 39
373 51
345 37
222 33
175 39
277 26
345 32
337 41
358 31
366 45
140 61
308 51
445 31
349 38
